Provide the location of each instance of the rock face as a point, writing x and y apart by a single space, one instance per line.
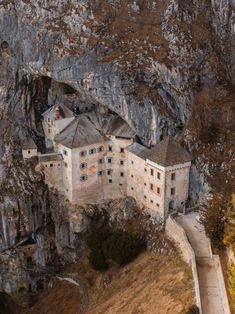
151 62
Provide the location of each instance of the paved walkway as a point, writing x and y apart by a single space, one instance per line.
211 298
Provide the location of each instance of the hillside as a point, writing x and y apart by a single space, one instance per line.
150 282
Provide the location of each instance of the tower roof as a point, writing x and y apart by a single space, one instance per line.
168 152
80 132
64 111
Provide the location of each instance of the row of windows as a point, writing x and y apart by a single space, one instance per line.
158 173
99 150
84 177
83 165
84 152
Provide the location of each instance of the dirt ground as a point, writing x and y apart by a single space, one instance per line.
152 284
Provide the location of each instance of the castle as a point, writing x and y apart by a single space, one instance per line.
93 161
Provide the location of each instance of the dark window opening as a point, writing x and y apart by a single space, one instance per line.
122 150
151 172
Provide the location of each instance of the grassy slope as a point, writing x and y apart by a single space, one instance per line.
150 284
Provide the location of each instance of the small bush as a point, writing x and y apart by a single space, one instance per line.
193 310
98 260
122 247
97 238
117 246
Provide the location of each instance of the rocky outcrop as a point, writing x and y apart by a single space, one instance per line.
147 61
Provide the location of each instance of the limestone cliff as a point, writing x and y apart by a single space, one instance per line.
159 64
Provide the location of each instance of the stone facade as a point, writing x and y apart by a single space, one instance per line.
90 167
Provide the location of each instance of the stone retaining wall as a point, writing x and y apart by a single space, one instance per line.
175 232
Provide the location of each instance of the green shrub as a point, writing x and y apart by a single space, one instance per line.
98 260
117 246
122 247
193 310
97 238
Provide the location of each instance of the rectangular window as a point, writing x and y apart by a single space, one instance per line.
100 173
100 149
65 152
110 180
159 175
121 162
83 177
83 165
173 176
66 165
158 205
109 172
49 131
92 151
110 148
121 150
151 172
120 184
51 165
158 190
151 201
132 188
132 176
29 151
121 174
132 162
145 197
101 161
83 153
109 160
151 186
172 191
145 184
48 119
145 169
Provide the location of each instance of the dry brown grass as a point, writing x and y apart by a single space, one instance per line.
151 284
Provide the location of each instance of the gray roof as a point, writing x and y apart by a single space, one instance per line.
66 111
120 128
112 125
50 157
168 152
80 132
136 149
28 144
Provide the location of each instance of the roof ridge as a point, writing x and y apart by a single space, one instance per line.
75 133
71 122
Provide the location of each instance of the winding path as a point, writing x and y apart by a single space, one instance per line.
73 279
211 284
